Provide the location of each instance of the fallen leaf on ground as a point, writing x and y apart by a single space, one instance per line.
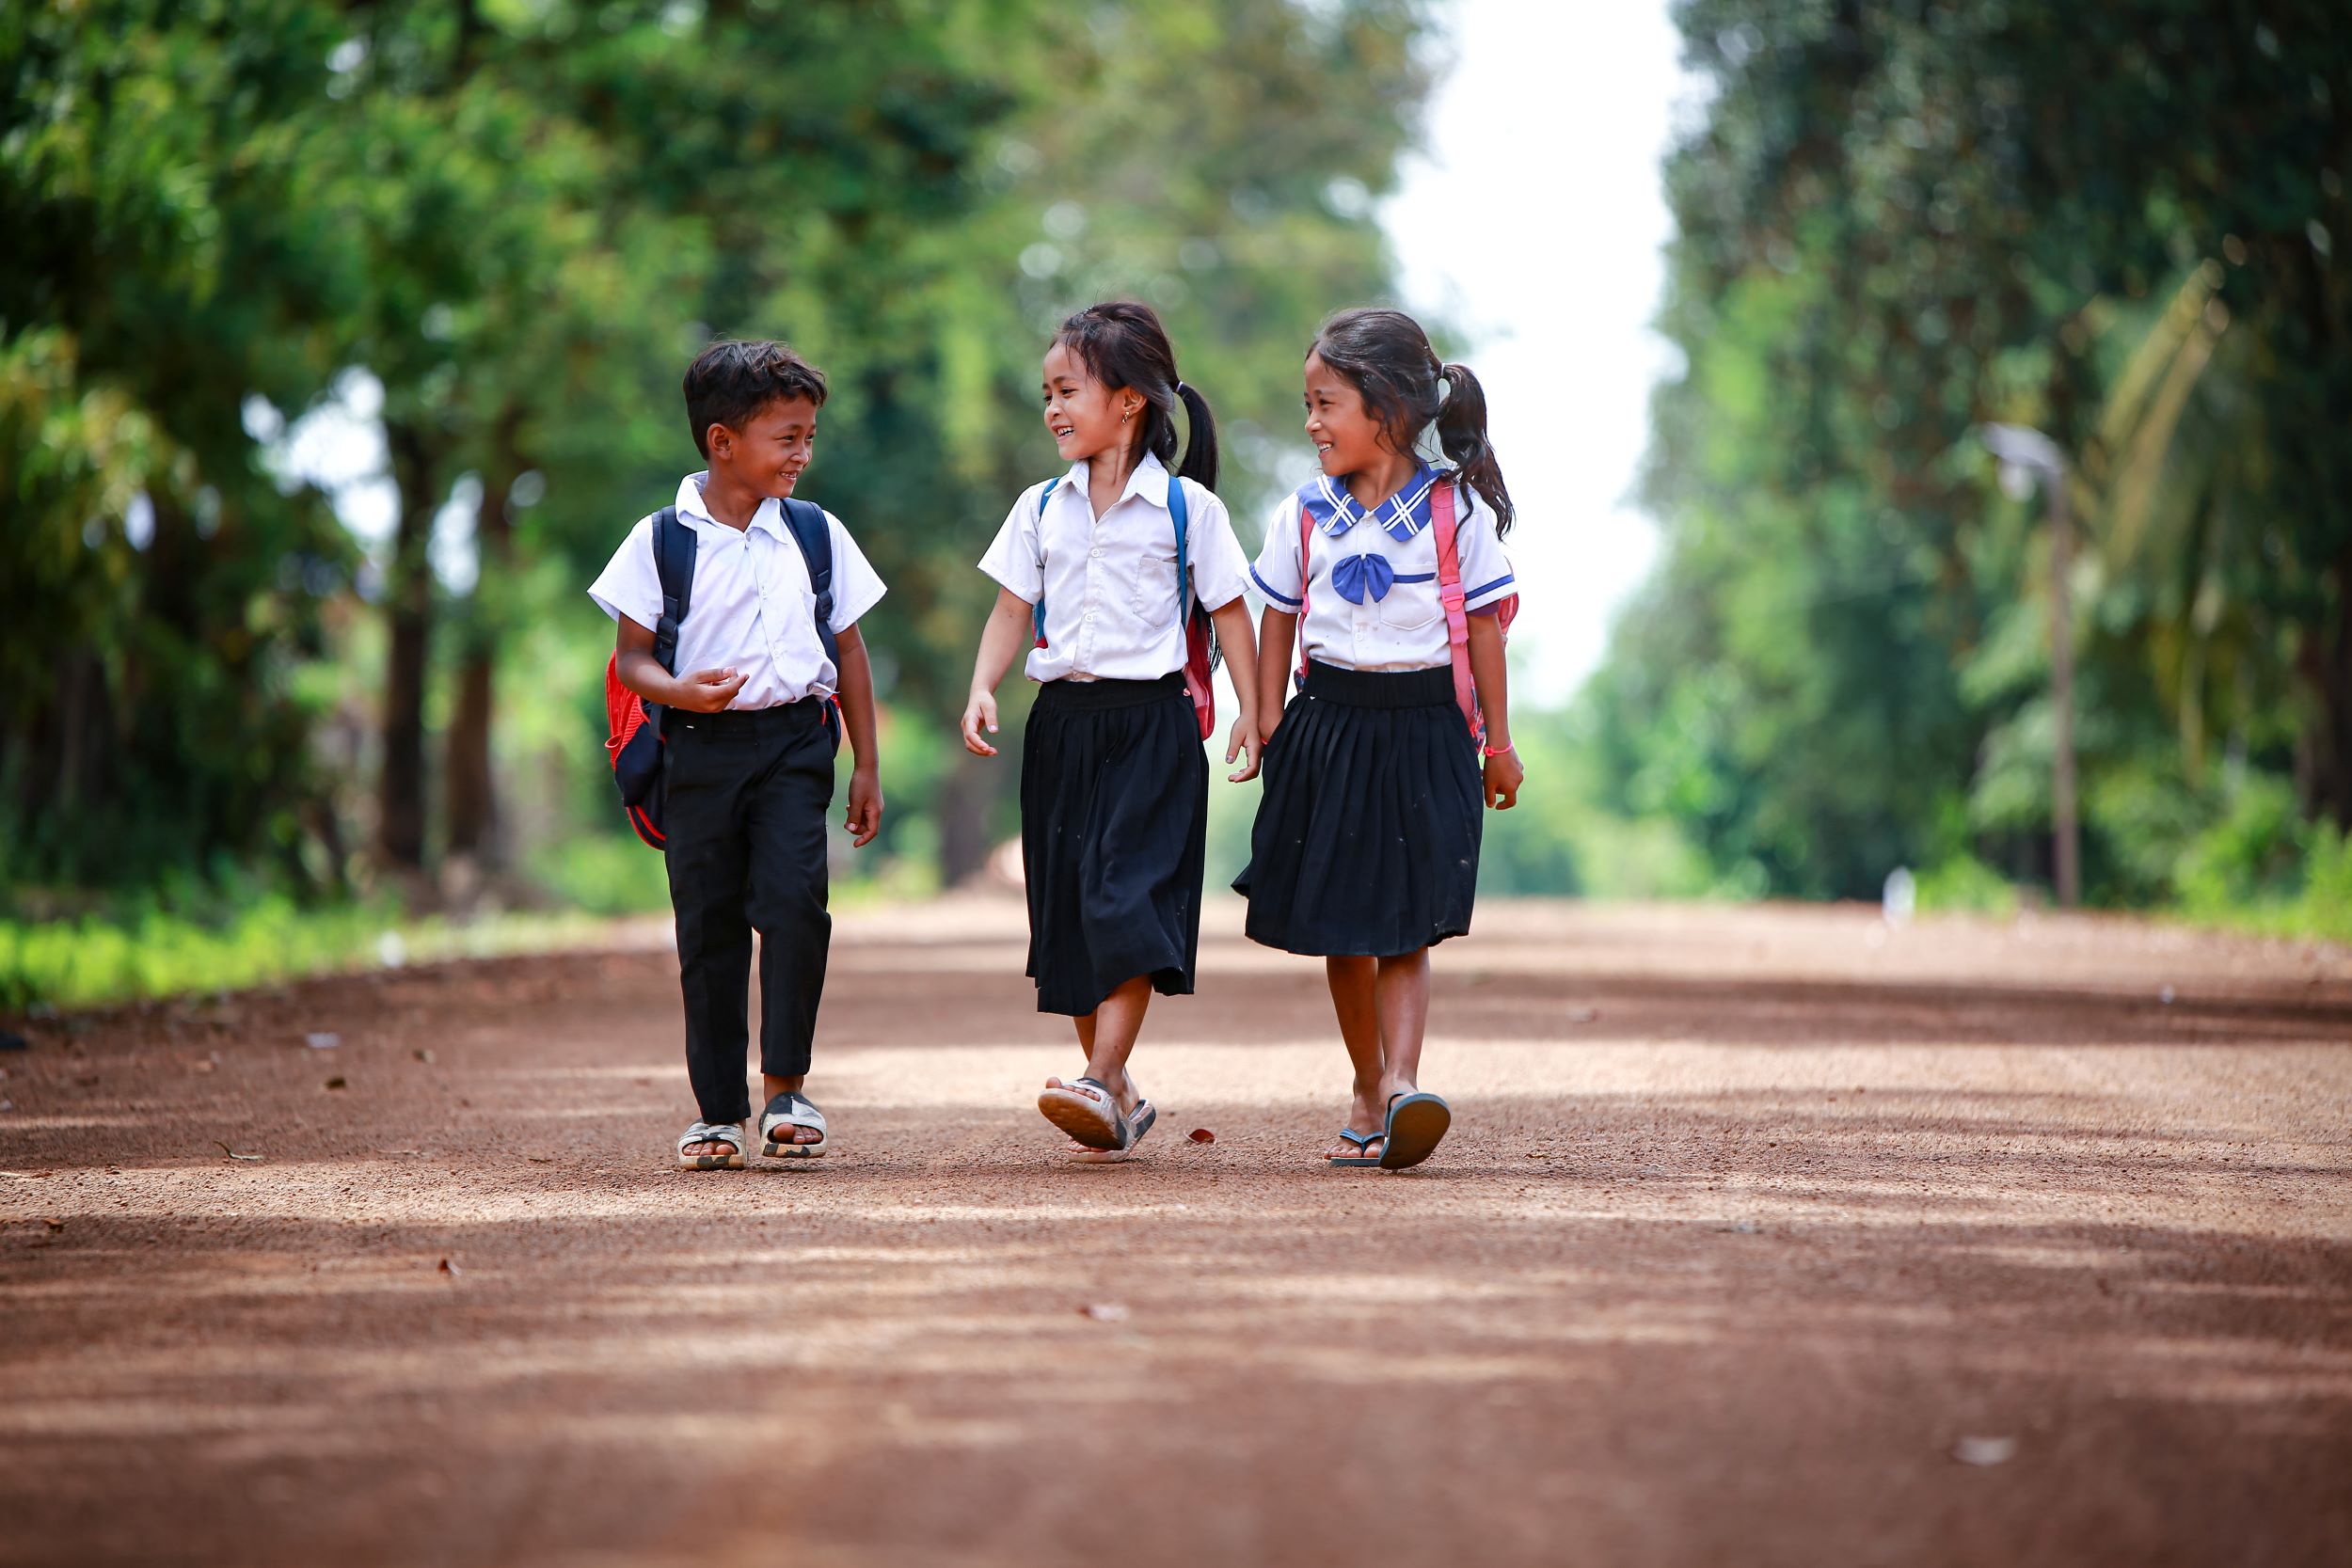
422 1056
233 1153
321 1039
1105 1312
55 1224
448 1267
1985 1450
1201 1135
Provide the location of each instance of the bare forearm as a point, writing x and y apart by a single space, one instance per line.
642 674
1008 628
857 698
1238 642
1276 628
1490 671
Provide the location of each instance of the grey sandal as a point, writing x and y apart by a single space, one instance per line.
712 1132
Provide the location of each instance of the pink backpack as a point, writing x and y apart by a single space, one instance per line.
1441 522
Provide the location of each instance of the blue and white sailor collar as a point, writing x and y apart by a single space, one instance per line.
1402 516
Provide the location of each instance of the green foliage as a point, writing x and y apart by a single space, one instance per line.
1897 223
521 219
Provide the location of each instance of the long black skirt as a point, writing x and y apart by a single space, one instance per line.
1367 833
1114 835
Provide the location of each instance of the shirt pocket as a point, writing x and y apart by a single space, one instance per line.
1411 607
1151 586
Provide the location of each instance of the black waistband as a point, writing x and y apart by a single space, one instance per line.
1329 683
1082 695
780 720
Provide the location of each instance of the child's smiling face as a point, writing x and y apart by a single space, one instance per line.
767 455
1083 414
1347 439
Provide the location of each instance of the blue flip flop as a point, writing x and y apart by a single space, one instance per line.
1359 1140
1417 1124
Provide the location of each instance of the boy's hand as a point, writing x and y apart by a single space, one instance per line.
865 805
980 710
1504 777
1244 740
708 690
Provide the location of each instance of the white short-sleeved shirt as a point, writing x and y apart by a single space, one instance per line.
1109 583
1371 602
752 607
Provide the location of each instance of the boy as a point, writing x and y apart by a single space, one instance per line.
748 740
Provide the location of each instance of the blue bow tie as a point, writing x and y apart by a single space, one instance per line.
1356 575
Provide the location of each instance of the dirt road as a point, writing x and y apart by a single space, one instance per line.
1755 1228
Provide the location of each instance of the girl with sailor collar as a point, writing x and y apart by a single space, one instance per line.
1365 848
1114 784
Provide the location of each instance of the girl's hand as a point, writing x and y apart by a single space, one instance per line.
865 805
708 690
1244 741
1504 777
980 710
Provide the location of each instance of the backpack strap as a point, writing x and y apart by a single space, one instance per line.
1306 580
1037 610
806 521
1441 502
1180 509
674 562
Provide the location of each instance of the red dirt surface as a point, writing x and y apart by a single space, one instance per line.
1753 1223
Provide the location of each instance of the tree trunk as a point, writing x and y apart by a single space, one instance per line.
966 796
469 788
409 611
2326 662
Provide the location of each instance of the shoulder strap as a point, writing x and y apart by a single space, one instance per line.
1180 510
674 562
1037 610
1441 522
806 521
1306 580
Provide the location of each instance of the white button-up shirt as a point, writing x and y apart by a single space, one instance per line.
1109 583
1403 629
752 607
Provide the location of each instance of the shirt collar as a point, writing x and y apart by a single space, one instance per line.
1401 517
770 516
1149 481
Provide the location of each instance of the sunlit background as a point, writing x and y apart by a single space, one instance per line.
338 349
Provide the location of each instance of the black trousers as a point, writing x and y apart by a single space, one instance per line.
744 813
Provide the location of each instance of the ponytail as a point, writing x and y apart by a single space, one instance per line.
1386 357
1462 435
1200 451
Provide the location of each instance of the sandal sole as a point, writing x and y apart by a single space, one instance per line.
793 1151
1078 1117
712 1162
1416 1130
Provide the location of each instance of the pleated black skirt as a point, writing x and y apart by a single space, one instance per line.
1114 835
1367 833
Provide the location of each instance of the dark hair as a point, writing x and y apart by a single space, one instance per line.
733 379
1386 357
1123 344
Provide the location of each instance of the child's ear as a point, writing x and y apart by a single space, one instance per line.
718 440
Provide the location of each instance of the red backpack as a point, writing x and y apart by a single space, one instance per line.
633 743
1441 523
1197 685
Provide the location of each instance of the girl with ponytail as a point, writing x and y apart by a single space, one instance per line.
1388 571
1103 573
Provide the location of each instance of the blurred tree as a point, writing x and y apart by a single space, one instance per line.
1899 221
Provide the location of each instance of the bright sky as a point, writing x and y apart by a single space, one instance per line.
1535 223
